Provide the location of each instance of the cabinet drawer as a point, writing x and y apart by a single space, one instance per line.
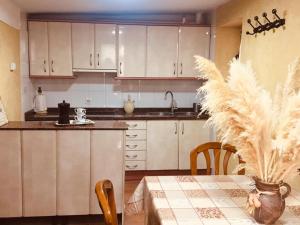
135 135
135 155
136 125
135 145
135 165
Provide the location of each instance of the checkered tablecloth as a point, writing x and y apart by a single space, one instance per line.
197 200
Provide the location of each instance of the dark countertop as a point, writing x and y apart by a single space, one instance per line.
49 125
119 114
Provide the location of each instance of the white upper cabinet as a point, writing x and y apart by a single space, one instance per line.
105 46
192 41
132 51
38 48
60 53
83 35
162 48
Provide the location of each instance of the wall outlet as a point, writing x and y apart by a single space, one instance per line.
13 66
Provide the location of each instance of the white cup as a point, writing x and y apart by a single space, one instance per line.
79 111
80 117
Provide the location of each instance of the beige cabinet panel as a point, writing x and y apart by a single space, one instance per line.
39 173
162 145
192 41
162 48
60 53
73 172
83 38
191 134
38 48
132 51
107 152
105 46
10 174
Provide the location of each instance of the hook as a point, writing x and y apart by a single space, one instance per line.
279 22
269 25
260 28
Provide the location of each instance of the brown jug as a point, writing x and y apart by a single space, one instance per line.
272 202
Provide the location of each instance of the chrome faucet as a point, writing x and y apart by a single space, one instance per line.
173 105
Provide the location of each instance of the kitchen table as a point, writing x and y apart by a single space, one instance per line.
195 200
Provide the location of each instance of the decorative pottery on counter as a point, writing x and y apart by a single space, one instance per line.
266 203
129 105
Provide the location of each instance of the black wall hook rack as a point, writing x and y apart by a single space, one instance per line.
269 25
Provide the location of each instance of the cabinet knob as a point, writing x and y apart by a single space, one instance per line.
181 66
174 72
98 56
182 129
131 136
91 59
131 156
131 167
52 66
44 65
176 128
131 146
120 67
132 126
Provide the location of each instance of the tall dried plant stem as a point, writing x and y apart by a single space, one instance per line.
283 175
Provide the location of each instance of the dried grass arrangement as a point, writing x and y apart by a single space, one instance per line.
265 131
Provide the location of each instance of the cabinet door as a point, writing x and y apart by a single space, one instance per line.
191 134
105 46
162 48
132 51
60 54
83 45
38 48
162 145
107 163
39 173
10 174
192 41
73 172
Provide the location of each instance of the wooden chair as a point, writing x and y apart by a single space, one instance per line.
217 147
105 194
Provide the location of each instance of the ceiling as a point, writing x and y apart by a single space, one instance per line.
111 6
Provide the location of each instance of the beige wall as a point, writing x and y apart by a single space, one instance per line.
10 81
270 53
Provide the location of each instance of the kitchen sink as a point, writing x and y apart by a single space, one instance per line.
185 114
160 114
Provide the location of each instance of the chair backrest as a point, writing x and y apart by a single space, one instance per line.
105 194
217 147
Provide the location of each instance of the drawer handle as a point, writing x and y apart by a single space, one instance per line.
132 126
131 135
131 146
131 156
131 167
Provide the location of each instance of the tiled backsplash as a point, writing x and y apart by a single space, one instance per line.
102 90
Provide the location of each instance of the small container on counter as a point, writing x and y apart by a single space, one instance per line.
64 110
196 107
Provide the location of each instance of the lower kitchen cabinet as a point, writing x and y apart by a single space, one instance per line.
162 145
39 173
10 174
107 163
73 172
191 134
